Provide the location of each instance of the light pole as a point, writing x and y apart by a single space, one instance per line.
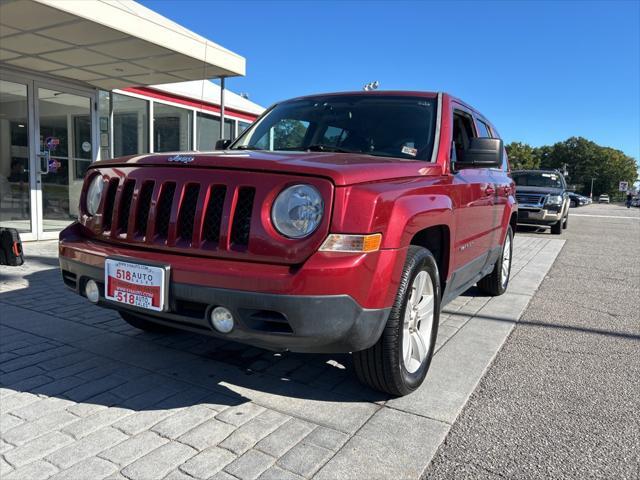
591 194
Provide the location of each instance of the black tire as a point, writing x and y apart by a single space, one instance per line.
556 228
492 284
144 324
382 366
565 224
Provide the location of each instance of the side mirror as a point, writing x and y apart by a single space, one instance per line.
222 144
482 153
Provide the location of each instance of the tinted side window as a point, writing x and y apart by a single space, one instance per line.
483 129
463 132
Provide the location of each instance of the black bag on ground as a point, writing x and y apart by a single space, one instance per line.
10 247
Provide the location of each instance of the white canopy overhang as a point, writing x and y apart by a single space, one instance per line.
108 44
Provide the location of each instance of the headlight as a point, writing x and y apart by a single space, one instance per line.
554 200
94 194
297 211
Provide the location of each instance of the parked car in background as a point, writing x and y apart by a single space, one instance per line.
335 223
543 199
635 202
604 198
576 200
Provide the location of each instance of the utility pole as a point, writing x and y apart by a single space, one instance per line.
591 194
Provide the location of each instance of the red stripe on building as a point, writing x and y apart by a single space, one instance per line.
170 97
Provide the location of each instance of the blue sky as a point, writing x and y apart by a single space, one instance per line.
540 71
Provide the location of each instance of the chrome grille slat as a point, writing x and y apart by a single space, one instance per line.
530 199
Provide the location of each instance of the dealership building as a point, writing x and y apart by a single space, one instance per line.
82 81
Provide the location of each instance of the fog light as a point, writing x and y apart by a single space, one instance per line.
222 319
92 291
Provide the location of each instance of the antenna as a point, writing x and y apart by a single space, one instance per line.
371 86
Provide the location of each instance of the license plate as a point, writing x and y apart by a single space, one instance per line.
135 284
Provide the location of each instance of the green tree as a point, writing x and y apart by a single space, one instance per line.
522 156
585 160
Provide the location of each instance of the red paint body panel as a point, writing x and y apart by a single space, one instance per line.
363 194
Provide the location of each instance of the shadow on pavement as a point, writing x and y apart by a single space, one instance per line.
87 354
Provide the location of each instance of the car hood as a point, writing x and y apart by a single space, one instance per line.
341 168
539 190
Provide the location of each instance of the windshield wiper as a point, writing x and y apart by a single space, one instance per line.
328 148
248 147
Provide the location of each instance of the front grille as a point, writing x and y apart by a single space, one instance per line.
163 215
204 212
213 215
109 203
530 199
242 217
188 212
125 206
144 207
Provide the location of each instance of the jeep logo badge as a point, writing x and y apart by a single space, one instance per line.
180 159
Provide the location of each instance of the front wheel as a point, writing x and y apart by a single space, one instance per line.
398 363
556 228
497 281
565 224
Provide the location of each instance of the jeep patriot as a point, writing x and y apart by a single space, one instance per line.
335 223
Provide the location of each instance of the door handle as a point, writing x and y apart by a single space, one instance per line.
46 155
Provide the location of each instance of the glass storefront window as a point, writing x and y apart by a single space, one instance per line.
171 128
130 125
15 203
242 126
208 131
65 136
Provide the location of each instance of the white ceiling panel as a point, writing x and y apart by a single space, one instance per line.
119 69
6 54
130 48
153 79
31 43
28 15
83 33
111 83
170 62
5 30
79 57
35 63
78 74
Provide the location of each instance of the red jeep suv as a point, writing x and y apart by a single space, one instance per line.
335 223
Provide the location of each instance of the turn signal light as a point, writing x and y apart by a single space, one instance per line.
337 242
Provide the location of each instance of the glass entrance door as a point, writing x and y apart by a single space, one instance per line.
15 182
65 149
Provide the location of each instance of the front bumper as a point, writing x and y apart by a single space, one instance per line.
538 216
331 320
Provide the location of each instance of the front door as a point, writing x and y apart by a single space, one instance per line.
47 140
64 149
17 193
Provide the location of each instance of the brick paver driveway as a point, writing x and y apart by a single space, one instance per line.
83 395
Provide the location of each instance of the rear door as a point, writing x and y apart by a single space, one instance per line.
501 185
474 194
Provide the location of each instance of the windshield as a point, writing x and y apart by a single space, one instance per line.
391 126
537 179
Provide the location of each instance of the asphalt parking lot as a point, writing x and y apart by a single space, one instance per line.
562 398
84 395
